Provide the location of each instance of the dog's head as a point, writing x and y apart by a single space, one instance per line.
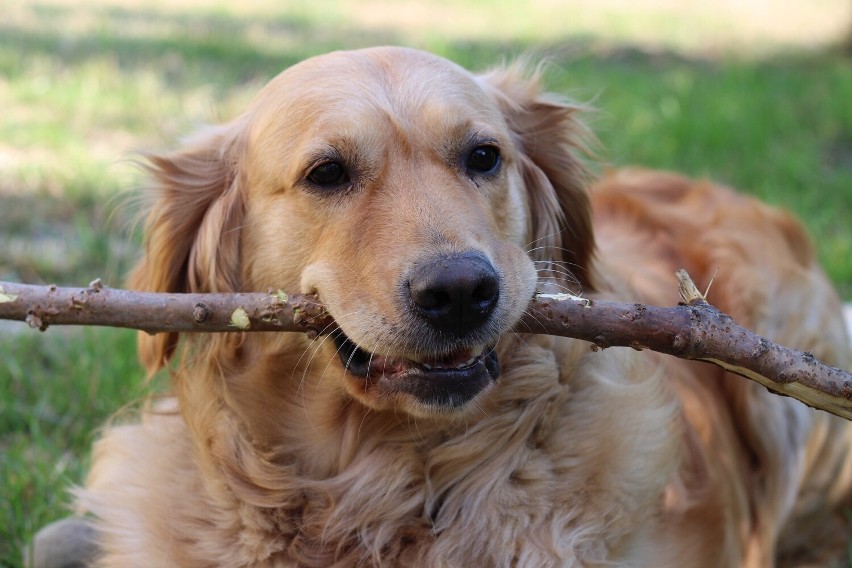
413 197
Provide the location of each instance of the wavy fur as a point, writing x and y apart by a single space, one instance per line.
271 454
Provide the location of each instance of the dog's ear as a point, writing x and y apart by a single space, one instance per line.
552 141
192 230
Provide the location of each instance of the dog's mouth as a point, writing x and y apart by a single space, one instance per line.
447 381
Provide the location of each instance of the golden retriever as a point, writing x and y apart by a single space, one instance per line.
425 205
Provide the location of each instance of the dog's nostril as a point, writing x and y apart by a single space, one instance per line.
486 290
455 294
430 299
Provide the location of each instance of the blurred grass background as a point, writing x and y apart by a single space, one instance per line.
757 94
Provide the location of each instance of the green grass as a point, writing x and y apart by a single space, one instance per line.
57 391
83 86
781 130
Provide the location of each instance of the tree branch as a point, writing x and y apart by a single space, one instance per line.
43 306
692 330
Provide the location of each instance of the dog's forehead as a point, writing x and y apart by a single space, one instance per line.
398 81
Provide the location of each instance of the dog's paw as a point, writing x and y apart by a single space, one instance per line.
67 543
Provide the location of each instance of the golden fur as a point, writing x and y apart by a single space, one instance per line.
271 454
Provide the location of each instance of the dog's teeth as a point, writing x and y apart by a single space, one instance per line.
475 353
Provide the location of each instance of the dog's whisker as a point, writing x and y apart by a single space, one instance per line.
554 262
314 350
557 275
529 248
558 271
529 315
549 283
324 333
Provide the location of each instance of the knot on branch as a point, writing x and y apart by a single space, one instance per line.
200 312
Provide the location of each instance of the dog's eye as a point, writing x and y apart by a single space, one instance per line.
329 174
483 159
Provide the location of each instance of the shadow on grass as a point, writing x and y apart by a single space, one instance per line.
229 49
186 47
56 240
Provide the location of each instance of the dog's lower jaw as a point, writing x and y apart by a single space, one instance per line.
448 391
431 386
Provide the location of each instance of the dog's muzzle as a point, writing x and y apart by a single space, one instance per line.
450 301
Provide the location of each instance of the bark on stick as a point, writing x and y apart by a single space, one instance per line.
692 330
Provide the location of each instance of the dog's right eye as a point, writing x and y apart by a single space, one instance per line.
329 174
483 159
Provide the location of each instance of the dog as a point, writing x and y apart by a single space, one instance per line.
425 206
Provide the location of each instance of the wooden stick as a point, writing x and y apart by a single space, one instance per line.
692 330
43 306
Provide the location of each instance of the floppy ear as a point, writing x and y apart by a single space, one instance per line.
552 140
192 230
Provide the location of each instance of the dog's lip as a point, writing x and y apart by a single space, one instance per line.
460 365
439 383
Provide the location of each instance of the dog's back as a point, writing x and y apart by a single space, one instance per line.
794 464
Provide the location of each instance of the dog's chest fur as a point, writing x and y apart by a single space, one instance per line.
526 473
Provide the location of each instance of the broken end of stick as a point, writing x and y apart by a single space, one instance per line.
689 293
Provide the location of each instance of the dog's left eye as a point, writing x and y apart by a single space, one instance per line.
483 159
329 174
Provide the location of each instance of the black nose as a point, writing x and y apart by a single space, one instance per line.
455 294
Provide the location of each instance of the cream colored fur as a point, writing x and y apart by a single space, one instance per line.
270 454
